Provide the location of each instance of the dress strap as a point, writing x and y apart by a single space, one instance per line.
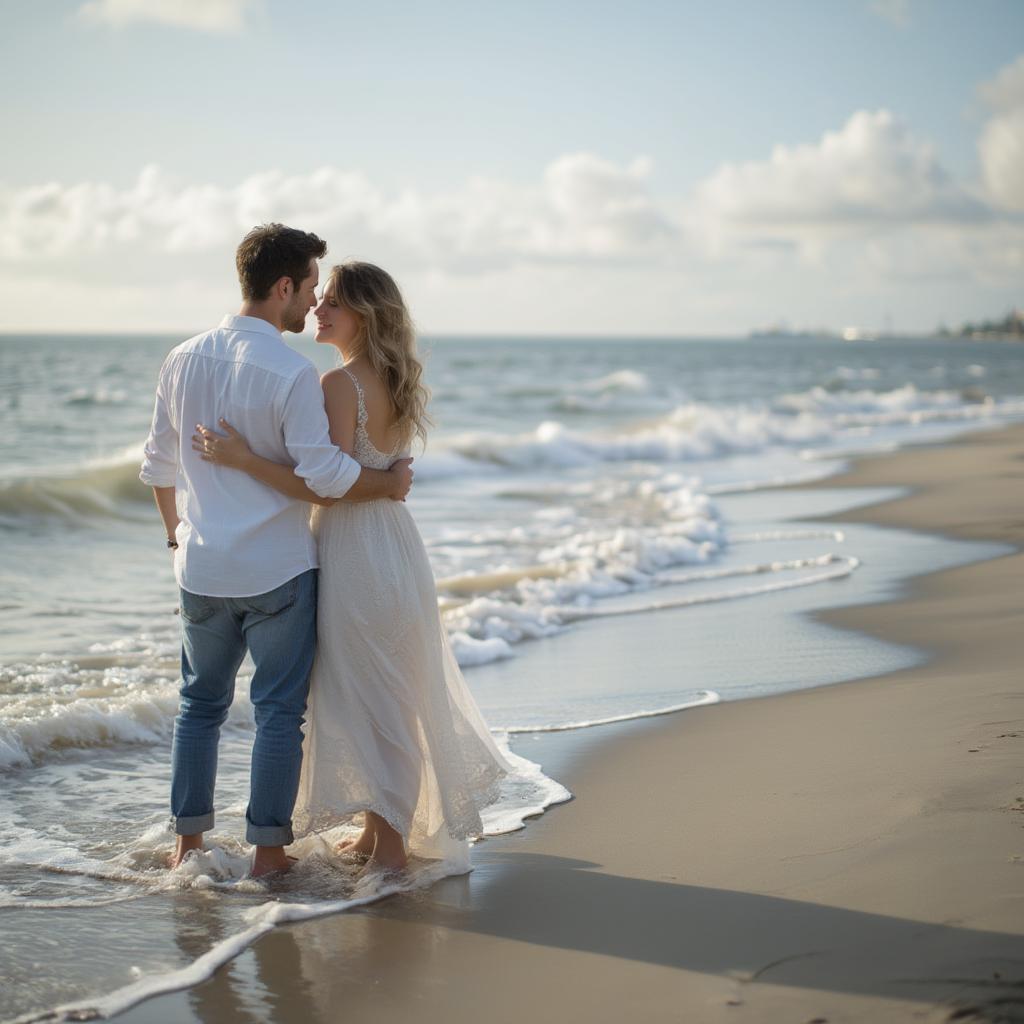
361 420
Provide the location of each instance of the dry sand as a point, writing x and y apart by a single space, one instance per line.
848 853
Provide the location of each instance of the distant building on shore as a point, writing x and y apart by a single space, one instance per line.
1010 328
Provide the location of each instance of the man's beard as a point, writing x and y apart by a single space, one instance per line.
295 320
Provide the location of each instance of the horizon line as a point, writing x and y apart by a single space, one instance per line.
753 334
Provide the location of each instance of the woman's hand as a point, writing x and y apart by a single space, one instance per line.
230 450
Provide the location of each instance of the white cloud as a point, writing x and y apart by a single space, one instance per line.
584 209
1006 91
1001 146
1002 157
601 208
202 15
864 214
871 172
896 12
867 205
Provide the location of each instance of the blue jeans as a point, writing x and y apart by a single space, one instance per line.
279 630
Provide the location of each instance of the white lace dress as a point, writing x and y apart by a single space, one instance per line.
391 724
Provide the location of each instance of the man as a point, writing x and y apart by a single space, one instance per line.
245 559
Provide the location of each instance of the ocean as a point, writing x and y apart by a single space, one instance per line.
609 538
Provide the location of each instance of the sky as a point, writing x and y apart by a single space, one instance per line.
544 167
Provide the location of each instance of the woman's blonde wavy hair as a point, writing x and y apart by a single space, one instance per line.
388 337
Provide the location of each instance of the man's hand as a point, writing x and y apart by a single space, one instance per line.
402 473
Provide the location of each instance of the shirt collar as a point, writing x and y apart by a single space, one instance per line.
251 325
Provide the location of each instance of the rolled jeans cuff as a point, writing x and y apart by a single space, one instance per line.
194 825
268 835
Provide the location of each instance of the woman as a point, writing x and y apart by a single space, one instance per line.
393 730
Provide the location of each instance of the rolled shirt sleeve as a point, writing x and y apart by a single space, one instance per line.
326 469
160 454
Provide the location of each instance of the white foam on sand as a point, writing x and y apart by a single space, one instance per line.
265 919
845 567
707 697
525 793
224 865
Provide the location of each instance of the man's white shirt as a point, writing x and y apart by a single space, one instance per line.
237 536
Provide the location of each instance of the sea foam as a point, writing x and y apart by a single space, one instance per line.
699 431
692 431
224 866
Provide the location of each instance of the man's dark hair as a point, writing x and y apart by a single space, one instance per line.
272 251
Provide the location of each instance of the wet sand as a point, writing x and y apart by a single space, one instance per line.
848 853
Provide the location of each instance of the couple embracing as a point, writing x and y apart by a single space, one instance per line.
337 608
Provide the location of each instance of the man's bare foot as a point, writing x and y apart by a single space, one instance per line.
270 860
184 846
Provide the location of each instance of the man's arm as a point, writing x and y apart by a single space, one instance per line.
160 461
328 471
168 509
392 483
230 449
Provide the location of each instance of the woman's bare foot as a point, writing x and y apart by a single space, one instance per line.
183 847
389 850
362 845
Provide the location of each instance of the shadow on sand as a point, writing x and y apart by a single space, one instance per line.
389 958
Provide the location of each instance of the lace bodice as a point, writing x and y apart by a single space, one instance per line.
364 451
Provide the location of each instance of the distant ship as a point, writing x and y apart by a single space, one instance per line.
781 332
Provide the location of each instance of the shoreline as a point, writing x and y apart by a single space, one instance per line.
704 868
